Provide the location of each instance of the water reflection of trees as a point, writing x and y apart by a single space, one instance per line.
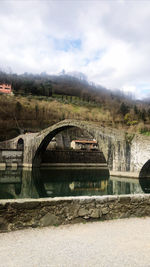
17 183
71 182
37 183
118 186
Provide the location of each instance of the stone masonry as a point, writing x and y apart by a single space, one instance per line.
123 152
19 214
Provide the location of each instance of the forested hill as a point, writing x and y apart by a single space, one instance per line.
41 100
46 85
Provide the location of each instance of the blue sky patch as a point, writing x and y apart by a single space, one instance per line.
144 87
67 44
96 56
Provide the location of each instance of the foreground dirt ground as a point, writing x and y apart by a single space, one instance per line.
124 242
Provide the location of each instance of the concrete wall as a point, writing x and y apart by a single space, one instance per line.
19 214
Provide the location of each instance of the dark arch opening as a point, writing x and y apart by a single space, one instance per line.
47 139
42 147
20 144
144 177
56 181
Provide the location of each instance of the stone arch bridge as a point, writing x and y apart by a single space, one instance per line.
123 152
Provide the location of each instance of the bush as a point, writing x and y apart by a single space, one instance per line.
145 131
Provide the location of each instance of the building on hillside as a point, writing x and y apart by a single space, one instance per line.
6 89
84 144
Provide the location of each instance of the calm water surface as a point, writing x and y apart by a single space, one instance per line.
54 182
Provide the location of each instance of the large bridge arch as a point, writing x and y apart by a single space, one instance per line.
49 133
124 152
111 142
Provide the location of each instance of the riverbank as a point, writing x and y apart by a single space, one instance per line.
3 166
124 174
114 243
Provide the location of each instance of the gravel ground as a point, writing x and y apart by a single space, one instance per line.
120 243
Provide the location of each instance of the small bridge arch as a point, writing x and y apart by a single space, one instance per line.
144 177
145 171
20 144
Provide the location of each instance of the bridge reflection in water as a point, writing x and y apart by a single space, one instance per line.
38 183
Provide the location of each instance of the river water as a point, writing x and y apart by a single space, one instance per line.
55 182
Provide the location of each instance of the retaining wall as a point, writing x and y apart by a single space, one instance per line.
19 214
73 156
11 156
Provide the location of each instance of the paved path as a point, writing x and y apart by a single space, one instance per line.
120 243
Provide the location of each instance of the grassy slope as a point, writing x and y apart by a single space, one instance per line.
35 113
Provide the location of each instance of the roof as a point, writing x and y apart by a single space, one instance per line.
85 141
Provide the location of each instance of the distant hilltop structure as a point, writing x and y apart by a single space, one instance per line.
84 144
6 89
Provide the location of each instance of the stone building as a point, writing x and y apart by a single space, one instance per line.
84 144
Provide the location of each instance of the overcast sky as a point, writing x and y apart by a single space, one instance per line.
107 40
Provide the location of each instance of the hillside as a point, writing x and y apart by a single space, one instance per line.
40 101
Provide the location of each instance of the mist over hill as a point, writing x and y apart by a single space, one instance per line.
71 83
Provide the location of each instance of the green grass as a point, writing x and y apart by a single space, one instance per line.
146 133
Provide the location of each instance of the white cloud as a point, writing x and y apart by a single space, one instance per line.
111 40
